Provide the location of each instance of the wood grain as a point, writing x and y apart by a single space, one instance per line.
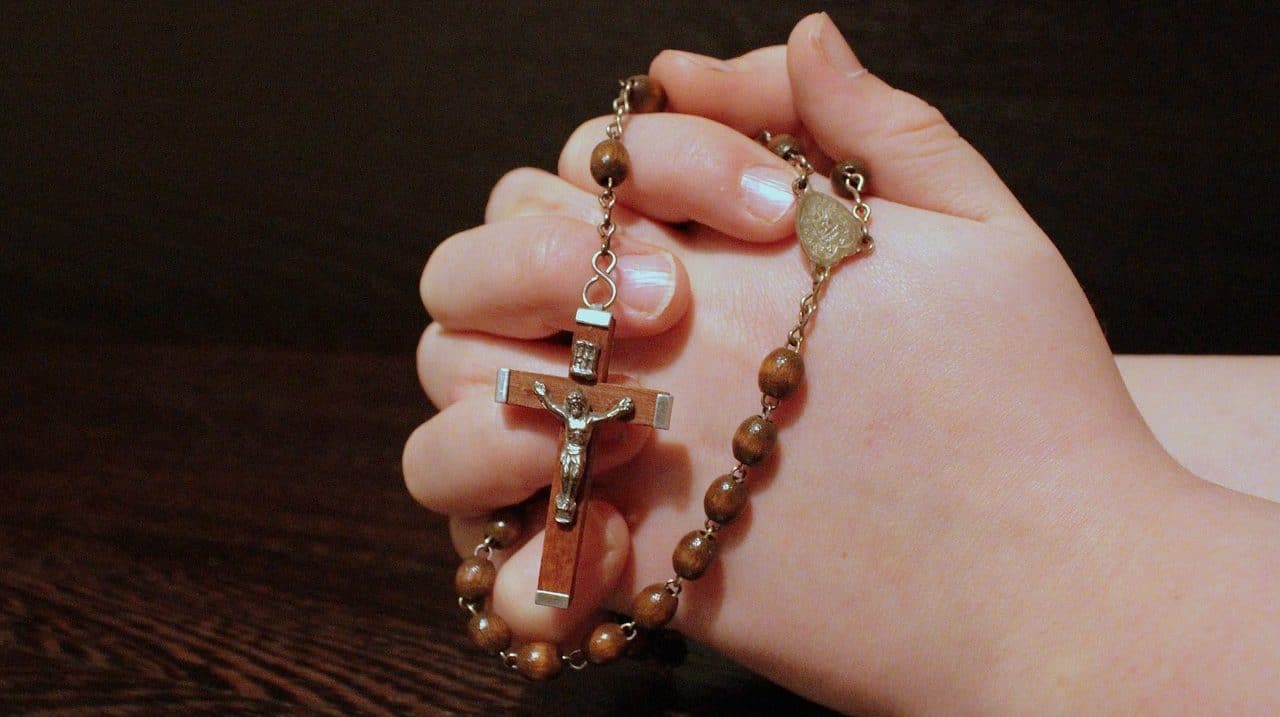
562 544
217 531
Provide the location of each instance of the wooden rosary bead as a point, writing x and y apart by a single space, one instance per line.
694 554
504 528
475 577
784 145
754 440
610 163
647 94
607 643
489 632
725 499
781 373
848 168
654 607
538 660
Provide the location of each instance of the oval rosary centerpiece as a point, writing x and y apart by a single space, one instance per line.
828 231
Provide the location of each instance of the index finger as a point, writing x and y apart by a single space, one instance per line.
689 168
748 93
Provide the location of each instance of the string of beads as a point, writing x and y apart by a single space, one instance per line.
780 374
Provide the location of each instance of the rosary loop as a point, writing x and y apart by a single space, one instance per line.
828 232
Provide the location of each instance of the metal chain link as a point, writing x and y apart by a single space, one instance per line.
854 184
674 586
603 274
799 163
768 404
468 605
808 306
576 660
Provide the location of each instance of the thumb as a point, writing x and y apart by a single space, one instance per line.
913 155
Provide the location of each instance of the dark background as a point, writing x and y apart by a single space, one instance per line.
278 175
213 220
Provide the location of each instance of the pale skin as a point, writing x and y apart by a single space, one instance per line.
975 508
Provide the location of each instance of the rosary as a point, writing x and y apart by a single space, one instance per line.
827 231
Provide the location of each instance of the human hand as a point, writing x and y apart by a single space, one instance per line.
961 465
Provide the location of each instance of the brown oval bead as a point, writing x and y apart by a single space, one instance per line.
784 145
647 94
725 499
781 373
538 660
848 168
607 643
610 163
654 606
489 632
693 555
504 528
475 578
754 440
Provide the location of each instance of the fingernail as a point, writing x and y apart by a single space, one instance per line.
766 192
838 53
648 281
703 61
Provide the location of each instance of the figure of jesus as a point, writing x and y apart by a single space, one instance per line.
579 424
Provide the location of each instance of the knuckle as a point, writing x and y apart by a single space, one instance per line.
416 479
427 355
517 193
425 291
698 146
561 243
429 284
696 158
919 124
667 64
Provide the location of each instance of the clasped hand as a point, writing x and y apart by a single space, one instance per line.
962 464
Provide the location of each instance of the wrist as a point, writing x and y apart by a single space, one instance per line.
1143 611
934 609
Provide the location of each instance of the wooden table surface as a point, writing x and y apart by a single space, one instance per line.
218 531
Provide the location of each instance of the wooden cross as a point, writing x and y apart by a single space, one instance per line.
581 401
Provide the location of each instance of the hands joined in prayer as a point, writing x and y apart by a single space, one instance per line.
966 512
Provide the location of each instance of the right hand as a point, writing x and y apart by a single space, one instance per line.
962 465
